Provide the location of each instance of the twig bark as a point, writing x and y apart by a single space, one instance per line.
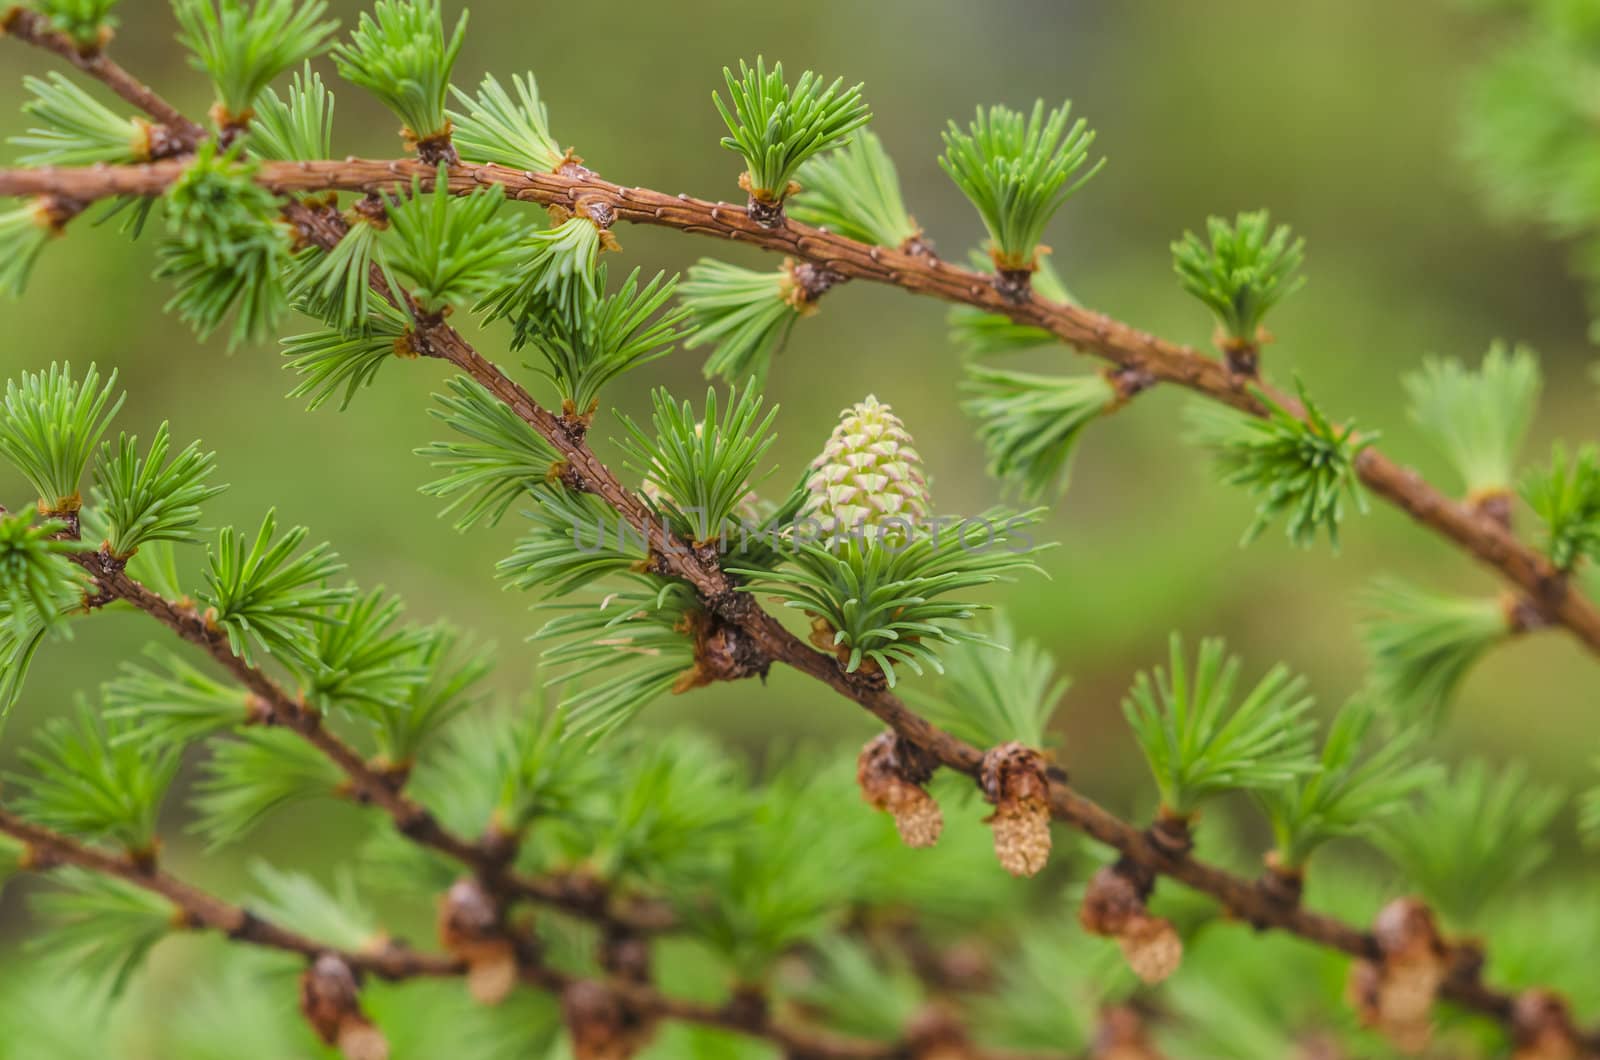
488 858
201 909
33 28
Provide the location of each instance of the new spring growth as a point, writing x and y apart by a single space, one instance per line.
1018 171
1246 268
777 129
400 54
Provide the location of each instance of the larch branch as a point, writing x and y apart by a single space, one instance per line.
30 27
1480 536
1242 898
201 909
1475 533
488 857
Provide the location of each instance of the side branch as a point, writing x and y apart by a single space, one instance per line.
201 909
488 858
30 27
196 909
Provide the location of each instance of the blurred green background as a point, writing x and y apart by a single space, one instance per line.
1341 116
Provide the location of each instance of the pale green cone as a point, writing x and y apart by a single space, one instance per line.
869 476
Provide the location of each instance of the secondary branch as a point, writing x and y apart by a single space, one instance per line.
30 27
201 909
488 858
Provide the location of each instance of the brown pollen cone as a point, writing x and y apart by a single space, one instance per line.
1395 993
601 1024
1015 781
891 772
1114 907
1541 1027
330 998
470 928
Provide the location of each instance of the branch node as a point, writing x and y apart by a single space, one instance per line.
1494 505
723 651
918 246
1170 836
804 283
1014 285
1281 884
763 207
624 953
1129 381
1542 1027
434 149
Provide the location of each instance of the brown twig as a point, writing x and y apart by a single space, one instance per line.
30 27
196 909
201 909
488 858
1478 535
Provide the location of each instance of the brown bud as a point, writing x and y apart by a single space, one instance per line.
1114 907
891 772
1541 1026
330 998
470 928
1015 781
602 1026
965 965
1395 994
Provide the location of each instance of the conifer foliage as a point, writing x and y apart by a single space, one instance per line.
572 873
